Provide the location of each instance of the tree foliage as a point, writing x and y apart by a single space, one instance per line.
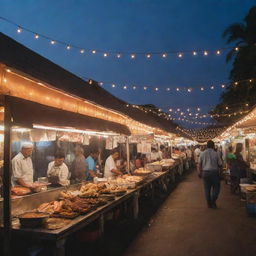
239 97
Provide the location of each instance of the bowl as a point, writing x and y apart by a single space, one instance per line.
32 219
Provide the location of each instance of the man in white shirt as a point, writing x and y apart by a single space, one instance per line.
58 173
111 170
197 155
22 166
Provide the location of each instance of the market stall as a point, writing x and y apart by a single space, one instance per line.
46 105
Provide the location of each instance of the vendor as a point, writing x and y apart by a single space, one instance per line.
155 155
91 165
111 170
57 172
79 167
22 166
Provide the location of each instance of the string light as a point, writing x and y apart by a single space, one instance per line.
68 47
133 56
105 54
82 51
52 42
36 36
117 53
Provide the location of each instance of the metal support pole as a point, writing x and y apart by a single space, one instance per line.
128 155
7 177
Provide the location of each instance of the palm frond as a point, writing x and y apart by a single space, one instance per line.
234 32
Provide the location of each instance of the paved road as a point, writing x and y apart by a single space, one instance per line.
184 226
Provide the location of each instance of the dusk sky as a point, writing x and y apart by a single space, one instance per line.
134 26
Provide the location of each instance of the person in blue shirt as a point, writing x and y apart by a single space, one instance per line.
91 163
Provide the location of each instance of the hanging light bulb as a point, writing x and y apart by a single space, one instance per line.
236 83
198 109
125 87
156 89
53 42
168 89
90 81
170 110
36 36
250 80
218 52
148 56
134 87
68 47
194 53
180 55
164 55
93 51
223 86
212 87
177 89
105 55
19 30
100 83
118 55
113 85
145 88
226 107
205 53
133 56
202 88
82 51
237 49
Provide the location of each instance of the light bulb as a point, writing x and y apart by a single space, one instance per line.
177 89
218 52
118 55
202 88
52 42
125 87
170 110
164 55
156 89
93 51
236 83
82 51
113 85
194 53
19 30
100 83
168 89
105 54
180 55
68 47
145 88
205 53
236 49
223 86
134 87
148 56
212 87
36 36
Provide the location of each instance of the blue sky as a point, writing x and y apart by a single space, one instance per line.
130 25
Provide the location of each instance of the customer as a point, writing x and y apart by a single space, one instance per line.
237 169
197 153
209 170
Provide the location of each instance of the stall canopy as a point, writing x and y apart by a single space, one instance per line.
16 56
26 113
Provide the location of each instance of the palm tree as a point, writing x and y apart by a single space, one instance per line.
243 54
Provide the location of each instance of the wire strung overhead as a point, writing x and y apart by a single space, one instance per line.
172 89
120 54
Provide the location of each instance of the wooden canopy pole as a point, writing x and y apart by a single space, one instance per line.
7 177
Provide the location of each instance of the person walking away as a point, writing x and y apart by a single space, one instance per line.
238 169
209 169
